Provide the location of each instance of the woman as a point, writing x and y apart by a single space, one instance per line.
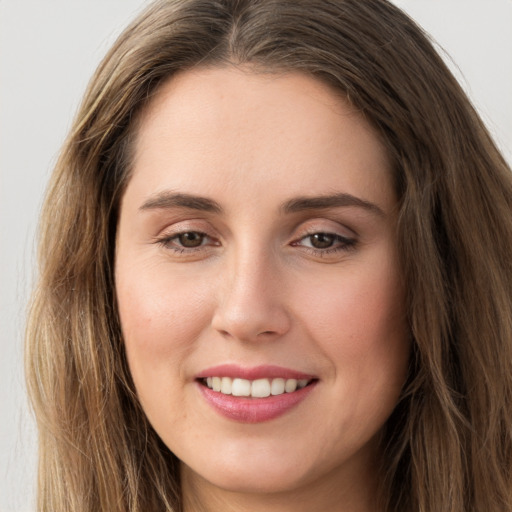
275 272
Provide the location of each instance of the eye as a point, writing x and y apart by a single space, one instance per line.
186 241
323 242
190 239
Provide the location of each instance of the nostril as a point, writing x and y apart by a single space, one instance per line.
251 321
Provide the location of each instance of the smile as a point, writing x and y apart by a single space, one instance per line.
259 388
254 395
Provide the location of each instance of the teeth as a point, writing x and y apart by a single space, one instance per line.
226 386
302 383
260 388
240 387
216 383
277 386
290 385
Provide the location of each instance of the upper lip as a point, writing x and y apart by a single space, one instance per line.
253 373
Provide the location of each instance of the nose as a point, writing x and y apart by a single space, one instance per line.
251 302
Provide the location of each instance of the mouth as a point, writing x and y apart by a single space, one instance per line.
254 395
258 388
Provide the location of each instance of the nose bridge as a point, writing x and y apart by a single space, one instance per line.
250 299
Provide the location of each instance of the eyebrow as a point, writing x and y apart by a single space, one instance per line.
167 200
305 203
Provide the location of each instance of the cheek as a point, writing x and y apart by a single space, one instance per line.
161 314
360 305
359 323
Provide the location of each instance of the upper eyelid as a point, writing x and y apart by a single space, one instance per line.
176 234
301 228
341 230
186 226
168 242
325 232
337 238
167 238
171 233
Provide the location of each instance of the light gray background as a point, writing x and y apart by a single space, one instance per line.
48 50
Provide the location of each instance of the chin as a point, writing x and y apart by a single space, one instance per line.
250 481
255 473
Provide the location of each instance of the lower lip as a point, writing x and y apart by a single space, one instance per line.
254 410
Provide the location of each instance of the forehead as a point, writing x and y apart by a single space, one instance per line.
281 133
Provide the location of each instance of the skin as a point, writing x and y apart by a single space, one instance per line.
257 291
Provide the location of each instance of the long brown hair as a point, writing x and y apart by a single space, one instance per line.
448 444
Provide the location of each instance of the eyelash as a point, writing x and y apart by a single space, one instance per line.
340 243
167 241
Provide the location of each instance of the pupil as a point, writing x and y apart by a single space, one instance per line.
191 239
322 240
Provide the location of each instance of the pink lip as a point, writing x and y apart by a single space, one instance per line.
253 410
256 372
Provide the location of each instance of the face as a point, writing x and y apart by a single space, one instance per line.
259 292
